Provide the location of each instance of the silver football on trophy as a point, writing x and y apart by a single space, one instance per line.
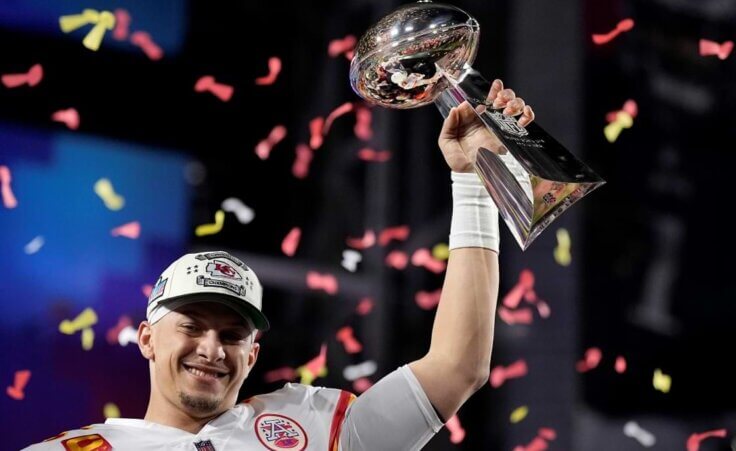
401 60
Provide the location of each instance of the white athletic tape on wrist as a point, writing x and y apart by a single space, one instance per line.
474 215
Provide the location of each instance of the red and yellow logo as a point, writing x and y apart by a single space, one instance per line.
93 442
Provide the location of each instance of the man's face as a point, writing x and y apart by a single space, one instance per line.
201 354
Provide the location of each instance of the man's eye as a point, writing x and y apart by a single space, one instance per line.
233 337
189 327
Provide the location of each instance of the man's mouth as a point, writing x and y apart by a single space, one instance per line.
202 372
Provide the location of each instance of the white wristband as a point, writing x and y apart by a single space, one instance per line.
474 215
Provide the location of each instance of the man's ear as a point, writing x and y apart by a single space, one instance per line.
145 340
253 354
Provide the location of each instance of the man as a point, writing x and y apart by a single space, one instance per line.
205 310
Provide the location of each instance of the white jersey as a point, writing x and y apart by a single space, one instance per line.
395 414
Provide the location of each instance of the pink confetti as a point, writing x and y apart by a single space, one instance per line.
693 442
122 23
367 240
291 241
397 260
624 25
367 154
31 78
280 374
364 306
457 433
543 309
146 290
710 48
399 233
69 117
547 433
145 42
346 337
6 177
525 283
363 119
264 148
326 282
315 130
423 257
362 384
341 46
304 155
317 364
620 365
207 83
130 230
427 300
592 359
343 109
500 374
274 68
538 444
630 107
114 332
511 317
20 381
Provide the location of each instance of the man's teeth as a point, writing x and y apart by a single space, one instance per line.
201 373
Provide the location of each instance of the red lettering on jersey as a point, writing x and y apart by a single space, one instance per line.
93 442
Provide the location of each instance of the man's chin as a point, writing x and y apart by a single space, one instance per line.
200 404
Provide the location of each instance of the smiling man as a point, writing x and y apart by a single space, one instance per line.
205 310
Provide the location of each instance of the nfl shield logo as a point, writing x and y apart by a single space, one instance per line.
204 445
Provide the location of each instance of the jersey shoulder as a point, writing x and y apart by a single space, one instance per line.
302 397
95 437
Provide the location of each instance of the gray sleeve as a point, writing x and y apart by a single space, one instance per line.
394 414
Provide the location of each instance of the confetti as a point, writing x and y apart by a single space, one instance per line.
693 442
30 78
146 290
500 374
110 410
207 83
84 320
360 370
518 415
130 230
122 24
363 119
365 306
128 335
102 20
397 259
265 146
423 258
211 229
427 300
441 251
104 189
144 41
342 46
362 384
512 317
291 241
590 361
343 109
68 117
367 240
562 250
20 380
614 129
644 437
543 309
398 233
88 338
539 443
113 332
34 245
274 68
623 26
661 381
315 132
243 213
710 48
326 282
620 365
304 155
457 433
346 337
522 287
350 259
367 154
317 367
630 107
6 177
280 374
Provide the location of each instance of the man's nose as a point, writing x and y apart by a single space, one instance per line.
210 346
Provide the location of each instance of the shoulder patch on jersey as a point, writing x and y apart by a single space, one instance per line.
278 432
92 442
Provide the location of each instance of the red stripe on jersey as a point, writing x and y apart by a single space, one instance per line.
346 398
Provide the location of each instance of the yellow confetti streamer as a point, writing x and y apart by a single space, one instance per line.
307 376
211 229
112 200
562 251
441 251
88 338
519 414
84 320
102 20
111 411
661 381
614 129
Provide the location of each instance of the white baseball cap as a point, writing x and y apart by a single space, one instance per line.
208 277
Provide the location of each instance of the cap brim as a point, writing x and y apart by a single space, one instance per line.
244 309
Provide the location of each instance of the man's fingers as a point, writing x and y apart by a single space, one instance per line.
515 107
504 97
527 116
496 87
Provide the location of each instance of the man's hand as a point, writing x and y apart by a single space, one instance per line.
463 132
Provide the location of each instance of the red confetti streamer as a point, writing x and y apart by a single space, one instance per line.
341 46
525 283
348 340
31 78
146 289
114 332
274 69
423 257
145 42
620 365
20 381
326 282
511 317
343 109
6 177
362 384
630 107
69 117
592 359
315 130
207 83
397 260
501 374
280 374
457 433
367 240
303 159
122 24
130 230
543 309
710 48
693 442
427 300
399 233
291 241
264 148
317 364
367 154
363 119
624 25
364 306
